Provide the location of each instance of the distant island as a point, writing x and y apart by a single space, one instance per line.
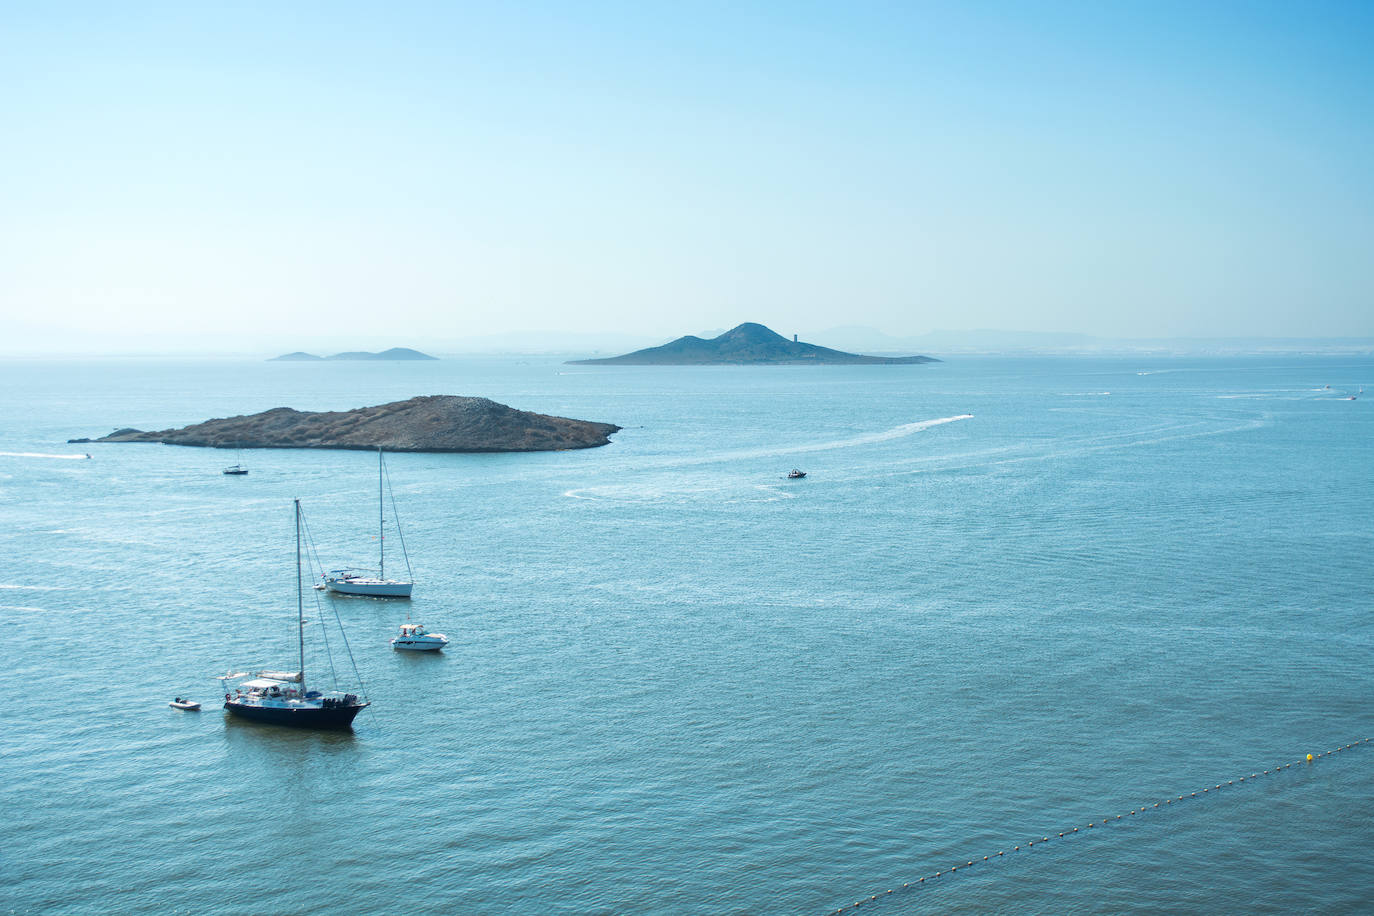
401 353
747 344
437 423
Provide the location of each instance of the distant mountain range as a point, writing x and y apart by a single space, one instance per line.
747 344
401 353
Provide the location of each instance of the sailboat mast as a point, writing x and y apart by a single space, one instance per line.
381 532
300 599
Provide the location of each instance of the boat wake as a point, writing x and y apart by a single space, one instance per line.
43 455
887 435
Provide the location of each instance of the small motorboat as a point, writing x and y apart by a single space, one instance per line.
414 637
188 705
795 474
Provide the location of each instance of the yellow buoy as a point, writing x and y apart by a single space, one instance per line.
1309 758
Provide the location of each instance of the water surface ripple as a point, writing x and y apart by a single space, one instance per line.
1011 595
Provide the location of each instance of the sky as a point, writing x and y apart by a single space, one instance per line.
264 177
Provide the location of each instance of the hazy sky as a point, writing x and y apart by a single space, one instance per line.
315 175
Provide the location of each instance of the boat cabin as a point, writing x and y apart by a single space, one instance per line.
268 685
261 686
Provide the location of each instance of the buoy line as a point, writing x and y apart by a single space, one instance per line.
1065 834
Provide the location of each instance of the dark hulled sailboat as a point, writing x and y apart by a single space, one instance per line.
282 697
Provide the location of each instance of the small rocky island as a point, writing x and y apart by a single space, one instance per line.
748 344
395 353
437 423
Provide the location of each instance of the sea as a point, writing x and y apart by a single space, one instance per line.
1033 635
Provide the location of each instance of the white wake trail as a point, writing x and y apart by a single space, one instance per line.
896 432
887 435
43 455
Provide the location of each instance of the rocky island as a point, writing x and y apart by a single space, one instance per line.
748 344
437 423
395 353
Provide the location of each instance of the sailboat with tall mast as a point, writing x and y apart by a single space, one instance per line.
237 469
282 697
351 581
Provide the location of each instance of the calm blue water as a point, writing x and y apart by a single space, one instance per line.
681 684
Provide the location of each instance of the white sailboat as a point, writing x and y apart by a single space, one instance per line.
352 581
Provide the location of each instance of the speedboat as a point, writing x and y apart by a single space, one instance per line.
795 474
414 637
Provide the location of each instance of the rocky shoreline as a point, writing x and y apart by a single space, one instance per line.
434 423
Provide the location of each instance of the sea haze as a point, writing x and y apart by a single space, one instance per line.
1012 597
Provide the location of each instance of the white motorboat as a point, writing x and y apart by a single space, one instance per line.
366 582
414 637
